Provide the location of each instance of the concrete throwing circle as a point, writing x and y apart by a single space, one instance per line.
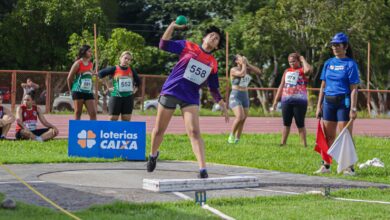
112 178
76 186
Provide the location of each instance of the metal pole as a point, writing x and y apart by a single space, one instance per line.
48 92
368 79
13 91
227 70
143 93
96 68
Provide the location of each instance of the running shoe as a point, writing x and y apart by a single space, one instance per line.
322 170
152 162
349 172
231 139
203 174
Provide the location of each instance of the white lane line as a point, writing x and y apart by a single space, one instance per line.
12 182
217 212
361 200
205 206
182 195
255 174
319 192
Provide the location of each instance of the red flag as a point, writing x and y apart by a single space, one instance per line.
322 145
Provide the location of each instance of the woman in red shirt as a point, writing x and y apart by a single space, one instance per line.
292 89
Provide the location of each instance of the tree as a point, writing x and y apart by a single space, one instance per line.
34 35
146 59
307 27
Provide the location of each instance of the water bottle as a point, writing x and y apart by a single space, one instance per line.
347 101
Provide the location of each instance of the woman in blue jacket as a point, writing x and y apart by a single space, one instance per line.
338 93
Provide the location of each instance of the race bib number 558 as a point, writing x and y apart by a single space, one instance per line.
197 72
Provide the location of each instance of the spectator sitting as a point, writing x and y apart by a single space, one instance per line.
6 119
27 116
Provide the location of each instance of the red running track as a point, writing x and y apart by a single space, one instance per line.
217 125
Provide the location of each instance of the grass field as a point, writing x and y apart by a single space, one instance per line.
254 150
277 207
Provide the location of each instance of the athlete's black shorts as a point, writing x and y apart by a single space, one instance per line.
37 132
170 102
298 111
121 105
82 96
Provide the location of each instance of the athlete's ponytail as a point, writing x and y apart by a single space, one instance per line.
349 52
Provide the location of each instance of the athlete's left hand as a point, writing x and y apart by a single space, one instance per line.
352 115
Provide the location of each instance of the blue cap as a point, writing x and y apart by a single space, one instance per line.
340 38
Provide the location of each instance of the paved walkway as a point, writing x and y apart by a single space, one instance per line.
217 125
77 186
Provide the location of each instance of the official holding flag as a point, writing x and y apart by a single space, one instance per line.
338 93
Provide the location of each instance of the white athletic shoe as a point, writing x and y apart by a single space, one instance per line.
349 172
322 170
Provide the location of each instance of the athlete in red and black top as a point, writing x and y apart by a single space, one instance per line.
6 119
27 116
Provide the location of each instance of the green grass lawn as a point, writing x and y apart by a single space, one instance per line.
254 150
308 206
276 207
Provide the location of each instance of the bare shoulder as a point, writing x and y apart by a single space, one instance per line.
75 65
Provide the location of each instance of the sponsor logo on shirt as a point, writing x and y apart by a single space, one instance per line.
337 68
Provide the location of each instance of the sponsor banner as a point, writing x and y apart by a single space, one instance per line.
107 139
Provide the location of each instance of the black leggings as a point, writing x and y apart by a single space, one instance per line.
121 105
298 111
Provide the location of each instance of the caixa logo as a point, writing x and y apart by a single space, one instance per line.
118 140
108 140
86 139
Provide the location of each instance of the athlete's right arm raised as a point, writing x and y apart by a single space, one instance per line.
169 31
239 73
170 45
71 74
